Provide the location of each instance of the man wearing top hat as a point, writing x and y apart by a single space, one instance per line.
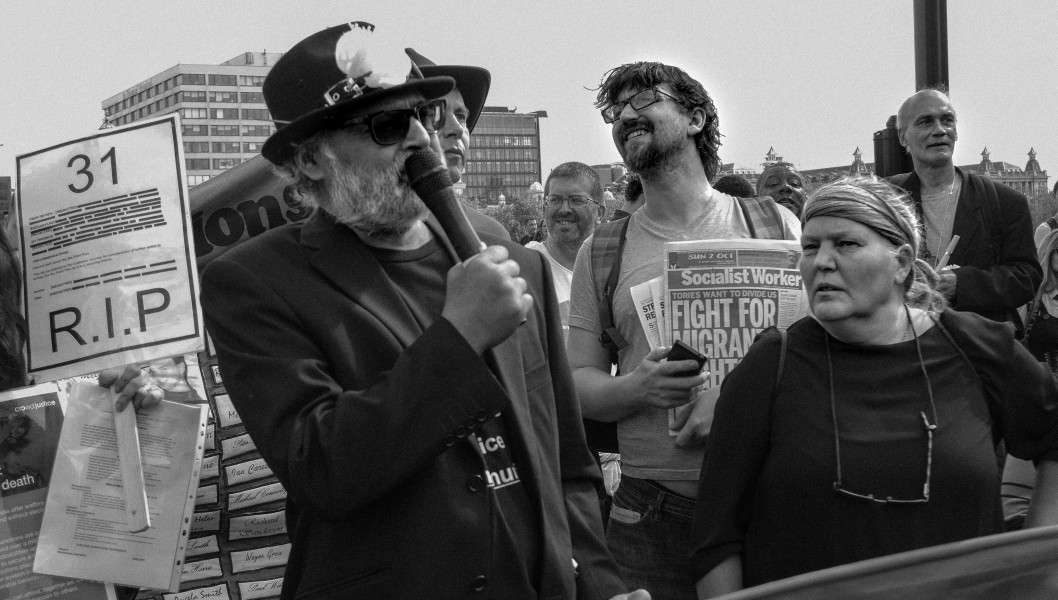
418 410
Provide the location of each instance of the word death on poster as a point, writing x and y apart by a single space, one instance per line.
106 250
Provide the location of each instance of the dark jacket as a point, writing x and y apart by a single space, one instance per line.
361 415
990 281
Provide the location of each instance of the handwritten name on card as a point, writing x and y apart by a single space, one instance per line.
255 496
235 446
226 413
259 558
210 467
251 590
201 569
206 521
201 546
210 445
255 526
206 495
216 592
243 472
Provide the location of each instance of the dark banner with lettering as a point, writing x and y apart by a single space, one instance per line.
241 203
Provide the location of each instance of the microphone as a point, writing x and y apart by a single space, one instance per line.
430 180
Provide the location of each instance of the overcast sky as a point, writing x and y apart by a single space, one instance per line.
812 79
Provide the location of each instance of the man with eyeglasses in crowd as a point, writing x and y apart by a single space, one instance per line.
572 207
664 125
418 410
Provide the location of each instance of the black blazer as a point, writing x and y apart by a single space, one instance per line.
992 282
360 414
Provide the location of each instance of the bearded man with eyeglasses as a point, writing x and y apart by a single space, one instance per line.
572 207
418 410
665 127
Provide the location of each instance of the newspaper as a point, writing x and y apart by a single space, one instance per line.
719 294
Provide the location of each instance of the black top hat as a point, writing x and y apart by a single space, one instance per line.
472 82
333 75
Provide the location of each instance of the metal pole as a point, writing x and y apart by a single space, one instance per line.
931 43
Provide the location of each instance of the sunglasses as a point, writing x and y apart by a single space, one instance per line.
392 126
638 101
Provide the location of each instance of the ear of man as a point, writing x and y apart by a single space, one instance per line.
699 118
309 164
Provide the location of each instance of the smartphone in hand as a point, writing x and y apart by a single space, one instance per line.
681 351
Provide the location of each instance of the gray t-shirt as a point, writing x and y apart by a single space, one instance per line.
647 449
938 215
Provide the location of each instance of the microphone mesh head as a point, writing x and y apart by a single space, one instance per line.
426 173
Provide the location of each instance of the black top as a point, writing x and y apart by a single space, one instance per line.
767 485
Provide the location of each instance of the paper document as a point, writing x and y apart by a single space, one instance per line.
85 533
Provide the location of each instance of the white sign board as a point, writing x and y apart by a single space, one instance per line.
107 253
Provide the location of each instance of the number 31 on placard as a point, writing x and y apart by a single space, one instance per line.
85 163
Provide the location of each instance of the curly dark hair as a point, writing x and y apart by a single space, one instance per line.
642 75
13 329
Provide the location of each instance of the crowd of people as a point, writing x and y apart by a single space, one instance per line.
427 412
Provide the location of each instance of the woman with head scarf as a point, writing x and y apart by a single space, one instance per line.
871 427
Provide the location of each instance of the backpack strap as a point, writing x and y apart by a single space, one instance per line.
607 246
993 403
763 218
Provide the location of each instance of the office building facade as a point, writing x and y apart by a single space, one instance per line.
504 156
222 110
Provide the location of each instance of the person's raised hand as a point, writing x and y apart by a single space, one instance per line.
131 384
485 298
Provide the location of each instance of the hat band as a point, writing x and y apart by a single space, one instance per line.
346 89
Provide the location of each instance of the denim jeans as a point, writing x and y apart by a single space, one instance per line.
649 534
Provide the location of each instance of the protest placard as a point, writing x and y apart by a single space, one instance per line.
107 255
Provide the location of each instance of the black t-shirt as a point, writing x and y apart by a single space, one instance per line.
420 277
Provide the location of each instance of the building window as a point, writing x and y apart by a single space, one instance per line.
251 97
197 164
222 80
223 96
193 180
261 130
226 147
256 80
252 146
191 130
221 164
255 114
224 113
193 113
196 146
224 129
193 96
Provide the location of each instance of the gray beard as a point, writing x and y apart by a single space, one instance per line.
375 201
